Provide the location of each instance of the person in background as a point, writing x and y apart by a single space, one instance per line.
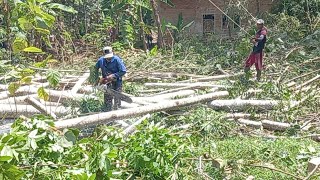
112 70
256 55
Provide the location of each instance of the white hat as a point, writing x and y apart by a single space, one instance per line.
260 21
108 52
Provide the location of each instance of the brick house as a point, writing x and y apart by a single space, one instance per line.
208 19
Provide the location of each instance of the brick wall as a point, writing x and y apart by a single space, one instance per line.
193 10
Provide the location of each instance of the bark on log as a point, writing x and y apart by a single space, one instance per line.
175 90
42 108
163 97
14 111
178 85
250 123
239 115
265 124
275 126
133 112
213 78
244 104
20 100
79 83
53 94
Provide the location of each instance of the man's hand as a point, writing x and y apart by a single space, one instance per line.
110 78
253 40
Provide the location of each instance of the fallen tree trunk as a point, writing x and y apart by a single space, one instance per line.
213 78
175 90
14 111
133 112
54 95
265 124
244 104
178 85
20 100
40 107
275 126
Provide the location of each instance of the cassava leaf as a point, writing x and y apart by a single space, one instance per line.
13 87
53 78
43 94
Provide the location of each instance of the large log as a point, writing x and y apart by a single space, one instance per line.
244 104
42 108
133 112
175 90
14 111
54 95
213 78
20 100
178 85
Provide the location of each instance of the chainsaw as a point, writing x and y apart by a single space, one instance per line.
104 86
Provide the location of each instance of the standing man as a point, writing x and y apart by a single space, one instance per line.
112 69
256 55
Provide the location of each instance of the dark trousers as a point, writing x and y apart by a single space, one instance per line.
109 105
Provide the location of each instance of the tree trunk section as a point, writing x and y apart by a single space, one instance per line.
158 22
230 105
134 112
40 107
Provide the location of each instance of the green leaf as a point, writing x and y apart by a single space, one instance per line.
25 24
43 31
53 77
18 45
32 50
26 80
5 158
62 7
43 94
92 177
13 87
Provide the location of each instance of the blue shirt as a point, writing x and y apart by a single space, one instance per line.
115 66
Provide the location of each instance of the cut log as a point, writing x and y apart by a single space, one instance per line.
17 100
245 104
175 90
130 130
79 83
53 94
36 104
213 78
250 123
238 115
163 97
178 85
134 112
14 111
275 126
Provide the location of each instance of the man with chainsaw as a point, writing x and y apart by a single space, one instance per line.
112 69
256 55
